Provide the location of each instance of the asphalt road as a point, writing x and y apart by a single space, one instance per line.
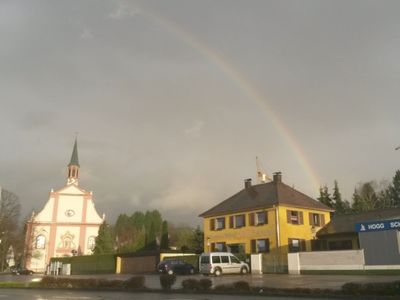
266 280
22 294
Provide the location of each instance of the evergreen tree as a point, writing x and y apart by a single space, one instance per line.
164 244
325 197
151 241
197 245
365 198
104 240
394 190
340 206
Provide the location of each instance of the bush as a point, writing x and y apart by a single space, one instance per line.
110 283
190 284
61 282
377 288
222 287
135 282
48 281
241 286
167 281
351 288
205 284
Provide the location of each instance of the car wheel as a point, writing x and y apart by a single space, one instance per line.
191 271
244 271
170 272
218 272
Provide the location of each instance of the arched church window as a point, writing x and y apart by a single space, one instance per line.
40 242
91 242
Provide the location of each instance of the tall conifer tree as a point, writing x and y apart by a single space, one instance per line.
164 244
104 240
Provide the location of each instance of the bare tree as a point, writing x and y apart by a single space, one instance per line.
9 214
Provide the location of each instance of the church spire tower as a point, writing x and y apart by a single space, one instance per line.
73 166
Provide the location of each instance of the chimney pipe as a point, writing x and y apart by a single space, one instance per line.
277 177
247 183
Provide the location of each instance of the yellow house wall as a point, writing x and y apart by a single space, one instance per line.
244 235
303 231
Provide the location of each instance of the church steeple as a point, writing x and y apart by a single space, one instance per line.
73 166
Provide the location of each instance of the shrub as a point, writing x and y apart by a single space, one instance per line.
222 287
376 288
351 288
167 281
190 284
48 281
61 282
205 284
135 282
241 286
104 283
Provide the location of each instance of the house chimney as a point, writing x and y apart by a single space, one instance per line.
247 183
277 177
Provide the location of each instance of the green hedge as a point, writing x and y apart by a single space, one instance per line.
89 264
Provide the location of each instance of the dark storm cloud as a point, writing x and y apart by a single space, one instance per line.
161 125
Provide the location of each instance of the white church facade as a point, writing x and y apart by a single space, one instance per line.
67 225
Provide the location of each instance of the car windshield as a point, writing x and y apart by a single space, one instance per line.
205 260
235 260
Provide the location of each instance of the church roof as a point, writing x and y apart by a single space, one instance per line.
262 196
74 157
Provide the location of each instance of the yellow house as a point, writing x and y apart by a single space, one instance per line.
271 218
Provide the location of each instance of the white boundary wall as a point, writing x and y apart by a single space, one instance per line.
256 264
326 260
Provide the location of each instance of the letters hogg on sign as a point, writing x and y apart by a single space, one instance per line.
378 225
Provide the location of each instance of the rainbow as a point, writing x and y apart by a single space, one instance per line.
247 89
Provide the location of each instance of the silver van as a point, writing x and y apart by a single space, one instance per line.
217 263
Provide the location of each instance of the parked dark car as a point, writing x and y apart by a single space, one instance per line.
22 271
175 266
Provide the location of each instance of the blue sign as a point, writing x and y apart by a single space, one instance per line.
378 225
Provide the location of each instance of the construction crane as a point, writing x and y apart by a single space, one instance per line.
262 176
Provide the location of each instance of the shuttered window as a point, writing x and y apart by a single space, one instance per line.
316 219
231 222
220 223
296 245
262 218
260 246
212 224
294 217
252 219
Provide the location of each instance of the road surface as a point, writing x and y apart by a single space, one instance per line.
22 294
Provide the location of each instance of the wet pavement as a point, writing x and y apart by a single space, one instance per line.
265 280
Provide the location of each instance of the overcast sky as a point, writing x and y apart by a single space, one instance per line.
173 100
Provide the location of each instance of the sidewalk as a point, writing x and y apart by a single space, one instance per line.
265 280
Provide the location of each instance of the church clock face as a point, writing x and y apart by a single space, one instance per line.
69 213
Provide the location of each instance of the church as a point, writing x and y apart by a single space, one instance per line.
67 225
